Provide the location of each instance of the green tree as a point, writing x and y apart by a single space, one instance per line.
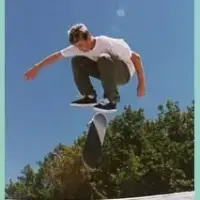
140 157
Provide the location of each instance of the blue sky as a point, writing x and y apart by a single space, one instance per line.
38 115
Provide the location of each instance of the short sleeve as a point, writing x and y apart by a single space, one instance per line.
120 48
69 51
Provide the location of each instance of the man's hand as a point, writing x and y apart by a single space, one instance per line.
31 73
141 89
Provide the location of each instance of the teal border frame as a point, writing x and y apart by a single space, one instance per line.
197 96
196 89
2 99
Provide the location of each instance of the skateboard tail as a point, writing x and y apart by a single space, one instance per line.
93 146
92 150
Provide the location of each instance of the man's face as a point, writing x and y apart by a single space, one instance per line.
84 45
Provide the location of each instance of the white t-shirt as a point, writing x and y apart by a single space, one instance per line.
104 44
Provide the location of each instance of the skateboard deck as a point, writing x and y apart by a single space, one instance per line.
93 147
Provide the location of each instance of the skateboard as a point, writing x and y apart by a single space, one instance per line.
95 138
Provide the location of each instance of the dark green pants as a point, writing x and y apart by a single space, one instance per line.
108 69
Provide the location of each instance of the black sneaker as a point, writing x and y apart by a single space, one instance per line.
107 107
84 102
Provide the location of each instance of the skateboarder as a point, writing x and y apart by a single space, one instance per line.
107 59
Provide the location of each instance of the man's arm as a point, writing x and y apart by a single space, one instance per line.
49 60
135 58
32 72
67 52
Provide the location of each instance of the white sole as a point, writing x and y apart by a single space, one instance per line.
104 111
83 105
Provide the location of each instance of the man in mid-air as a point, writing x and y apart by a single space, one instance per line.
107 59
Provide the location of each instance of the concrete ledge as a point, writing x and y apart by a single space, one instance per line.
173 196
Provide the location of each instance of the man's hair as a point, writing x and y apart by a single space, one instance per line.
78 32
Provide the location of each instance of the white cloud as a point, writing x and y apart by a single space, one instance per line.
120 12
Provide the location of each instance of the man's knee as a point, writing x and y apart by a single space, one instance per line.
104 60
105 57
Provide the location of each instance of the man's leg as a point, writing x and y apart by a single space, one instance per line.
83 68
113 72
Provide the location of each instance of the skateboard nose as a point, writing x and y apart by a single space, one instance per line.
88 124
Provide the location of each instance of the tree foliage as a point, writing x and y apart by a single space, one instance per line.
140 157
